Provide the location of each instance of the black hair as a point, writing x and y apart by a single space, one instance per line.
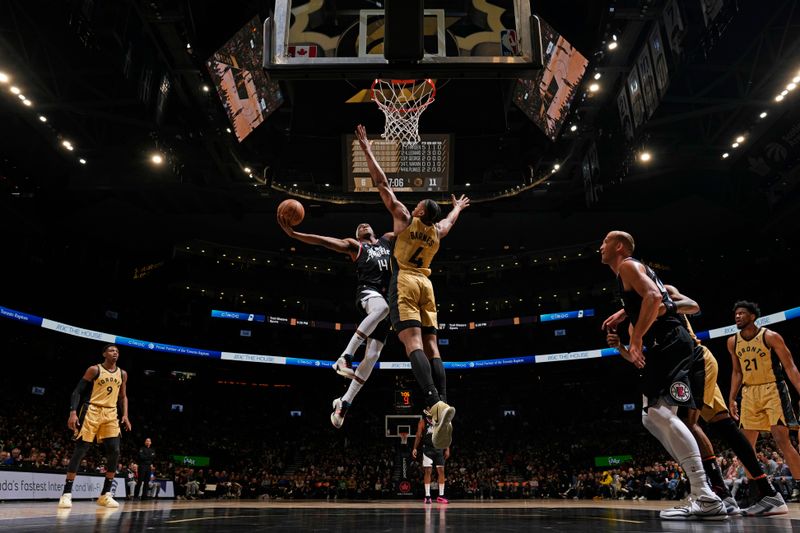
432 211
750 306
110 345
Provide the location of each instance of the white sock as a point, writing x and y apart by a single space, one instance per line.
441 489
353 345
427 490
371 355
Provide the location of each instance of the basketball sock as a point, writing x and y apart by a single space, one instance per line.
680 441
422 372
68 486
439 377
107 485
727 430
441 489
715 477
355 341
371 355
427 490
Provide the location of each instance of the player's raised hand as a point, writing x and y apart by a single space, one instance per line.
283 222
361 135
461 203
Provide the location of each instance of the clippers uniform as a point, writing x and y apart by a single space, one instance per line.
100 413
670 349
430 455
373 272
411 299
765 397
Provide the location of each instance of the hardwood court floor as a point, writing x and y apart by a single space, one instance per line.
560 516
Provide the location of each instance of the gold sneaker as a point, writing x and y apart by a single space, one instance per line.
107 500
442 415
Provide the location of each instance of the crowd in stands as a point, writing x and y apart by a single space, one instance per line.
487 462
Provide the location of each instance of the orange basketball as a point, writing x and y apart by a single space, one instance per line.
292 210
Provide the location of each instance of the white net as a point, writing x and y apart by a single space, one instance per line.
402 103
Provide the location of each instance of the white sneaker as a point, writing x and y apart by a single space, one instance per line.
338 414
731 507
767 506
703 508
343 367
107 500
65 502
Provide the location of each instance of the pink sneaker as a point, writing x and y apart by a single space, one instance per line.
428 499
440 499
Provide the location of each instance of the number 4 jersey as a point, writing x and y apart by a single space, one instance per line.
415 247
372 266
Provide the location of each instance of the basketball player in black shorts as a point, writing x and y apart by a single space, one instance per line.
412 304
430 457
665 373
712 409
371 256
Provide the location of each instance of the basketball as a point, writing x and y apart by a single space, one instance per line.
292 210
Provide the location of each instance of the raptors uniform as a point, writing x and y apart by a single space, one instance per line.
430 456
765 398
411 299
373 271
100 413
704 379
670 349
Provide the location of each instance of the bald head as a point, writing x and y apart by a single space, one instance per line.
624 238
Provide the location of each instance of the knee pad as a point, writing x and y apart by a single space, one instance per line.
81 447
112 451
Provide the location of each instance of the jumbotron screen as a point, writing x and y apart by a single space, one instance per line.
423 167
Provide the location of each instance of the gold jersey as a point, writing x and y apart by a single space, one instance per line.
105 388
689 328
760 364
415 247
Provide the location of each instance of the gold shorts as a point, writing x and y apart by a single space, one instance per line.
767 405
99 423
713 401
411 302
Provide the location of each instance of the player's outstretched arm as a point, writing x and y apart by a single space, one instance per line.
400 214
344 246
685 305
444 226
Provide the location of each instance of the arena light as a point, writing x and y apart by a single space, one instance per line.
735 145
15 90
763 114
82 161
468 184
205 88
784 92
612 45
156 159
779 98
791 87
22 97
42 118
68 145
796 79
27 102
594 87
597 75
4 78
725 155
247 170
228 130
574 127
645 157
740 139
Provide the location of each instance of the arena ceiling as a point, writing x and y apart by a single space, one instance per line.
72 59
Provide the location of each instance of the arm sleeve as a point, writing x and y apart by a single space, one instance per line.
80 390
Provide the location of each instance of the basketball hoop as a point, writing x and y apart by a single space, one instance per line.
402 102
403 438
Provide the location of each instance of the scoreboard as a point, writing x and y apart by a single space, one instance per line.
423 167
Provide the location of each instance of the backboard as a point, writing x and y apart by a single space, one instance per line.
343 39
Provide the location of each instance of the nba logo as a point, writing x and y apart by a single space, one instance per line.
509 46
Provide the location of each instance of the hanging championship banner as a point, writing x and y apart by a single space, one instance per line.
674 26
637 101
648 80
659 61
625 113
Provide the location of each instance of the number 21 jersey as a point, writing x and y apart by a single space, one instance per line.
760 364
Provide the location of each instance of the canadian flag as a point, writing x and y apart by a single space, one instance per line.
303 51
